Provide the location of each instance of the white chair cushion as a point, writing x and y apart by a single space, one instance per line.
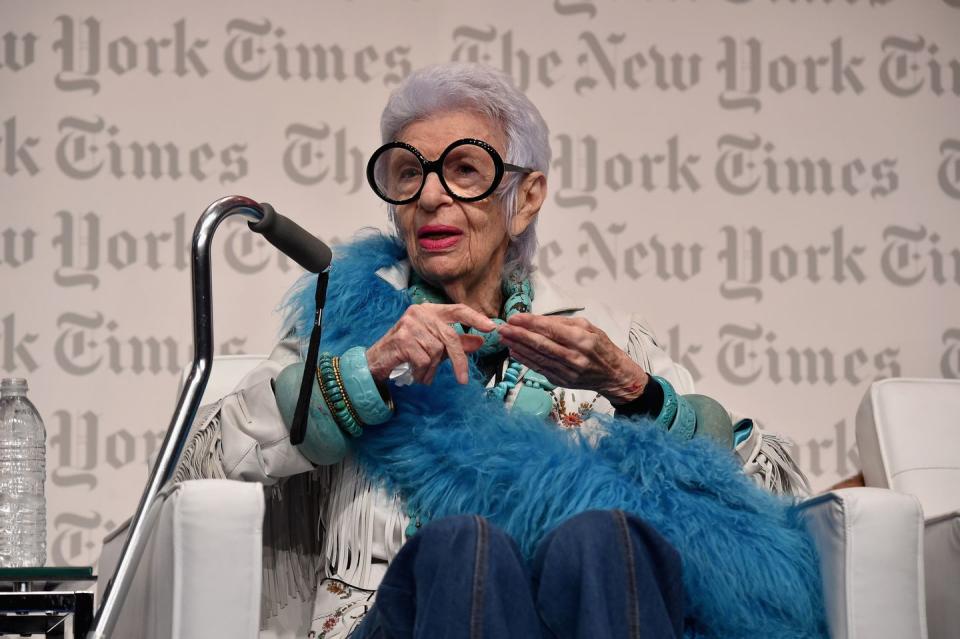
200 573
908 433
870 542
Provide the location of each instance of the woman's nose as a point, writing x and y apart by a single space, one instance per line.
433 194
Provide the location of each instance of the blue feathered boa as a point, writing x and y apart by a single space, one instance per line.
749 567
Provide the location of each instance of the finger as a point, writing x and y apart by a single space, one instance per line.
569 331
456 347
431 372
430 345
557 372
462 313
470 343
454 350
421 361
514 335
542 363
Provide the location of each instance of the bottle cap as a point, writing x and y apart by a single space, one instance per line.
13 385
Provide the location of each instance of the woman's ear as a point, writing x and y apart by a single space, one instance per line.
530 197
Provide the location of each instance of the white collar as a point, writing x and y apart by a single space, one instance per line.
547 299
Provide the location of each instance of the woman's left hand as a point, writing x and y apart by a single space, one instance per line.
573 353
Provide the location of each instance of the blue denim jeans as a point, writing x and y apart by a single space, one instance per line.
600 574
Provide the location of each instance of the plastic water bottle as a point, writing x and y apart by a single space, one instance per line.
23 508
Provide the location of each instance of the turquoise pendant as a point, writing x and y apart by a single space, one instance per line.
533 401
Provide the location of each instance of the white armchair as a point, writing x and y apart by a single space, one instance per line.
908 433
870 543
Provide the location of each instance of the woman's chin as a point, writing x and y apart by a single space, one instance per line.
439 267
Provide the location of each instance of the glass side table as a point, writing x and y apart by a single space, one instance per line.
45 601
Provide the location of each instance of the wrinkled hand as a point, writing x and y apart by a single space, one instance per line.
572 352
424 338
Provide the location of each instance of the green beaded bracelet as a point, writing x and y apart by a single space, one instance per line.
343 391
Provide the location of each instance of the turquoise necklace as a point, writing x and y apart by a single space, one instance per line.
519 298
534 394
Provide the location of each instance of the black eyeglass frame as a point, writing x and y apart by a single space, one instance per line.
436 166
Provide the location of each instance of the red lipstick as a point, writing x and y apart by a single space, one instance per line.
437 237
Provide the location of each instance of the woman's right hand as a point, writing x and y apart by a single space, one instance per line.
423 336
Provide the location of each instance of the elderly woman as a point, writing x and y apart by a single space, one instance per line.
484 456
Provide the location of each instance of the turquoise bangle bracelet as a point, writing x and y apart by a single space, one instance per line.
669 410
324 443
362 389
685 423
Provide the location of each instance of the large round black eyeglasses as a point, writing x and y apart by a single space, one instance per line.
469 170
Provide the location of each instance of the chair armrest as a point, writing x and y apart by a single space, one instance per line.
870 542
200 573
941 550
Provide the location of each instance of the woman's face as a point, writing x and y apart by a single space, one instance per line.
449 240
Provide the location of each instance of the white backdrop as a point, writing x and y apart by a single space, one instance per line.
775 184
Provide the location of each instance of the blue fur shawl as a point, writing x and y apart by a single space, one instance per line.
749 567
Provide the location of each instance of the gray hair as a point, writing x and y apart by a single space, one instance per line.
479 88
